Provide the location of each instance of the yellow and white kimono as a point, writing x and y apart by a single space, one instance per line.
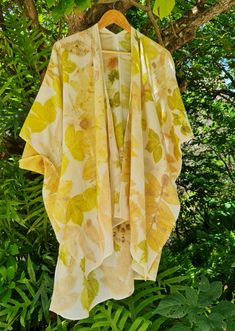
105 131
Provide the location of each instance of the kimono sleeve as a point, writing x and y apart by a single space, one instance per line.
179 122
42 128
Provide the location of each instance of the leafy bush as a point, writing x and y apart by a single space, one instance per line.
203 242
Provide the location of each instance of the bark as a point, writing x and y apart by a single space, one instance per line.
82 21
186 27
173 37
1 17
30 11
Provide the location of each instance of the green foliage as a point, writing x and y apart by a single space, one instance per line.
163 8
197 308
203 242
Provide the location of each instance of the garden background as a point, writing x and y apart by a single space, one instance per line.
194 289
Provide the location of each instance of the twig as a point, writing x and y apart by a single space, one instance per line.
155 25
138 5
224 162
148 10
172 26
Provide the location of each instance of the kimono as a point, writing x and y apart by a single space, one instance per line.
105 131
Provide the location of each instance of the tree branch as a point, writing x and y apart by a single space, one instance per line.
1 17
83 20
173 37
148 10
138 5
226 73
154 22
224 92
30 11
230 174
186 27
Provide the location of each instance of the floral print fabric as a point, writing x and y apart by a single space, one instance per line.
105 131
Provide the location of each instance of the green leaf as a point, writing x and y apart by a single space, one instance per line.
50 3
163 8
213 293
63 7
231 326
174 306
22 317
177 279
167 272
191 296
6 295
180 327
13 249
225 308
158 322
140 324
30 269
203 323
5 326
204 284
216 289
217 320
11 272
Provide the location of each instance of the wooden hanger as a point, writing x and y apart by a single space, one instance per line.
114 16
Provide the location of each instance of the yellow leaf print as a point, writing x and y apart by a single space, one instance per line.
144 123
135 210
154 146
68 66
89 169
146 89
114 74
91 231
79 48
152 187
77 142
175 141
115 100
59 200
41 116
64 164
64 254
87 199
135 59
116 246
82 264
143 246
149 48
119 134
178 118
185 129
116 197
80 203
125 93
162 116
89 291
73 212
169 191
125 42
175 100
160 226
